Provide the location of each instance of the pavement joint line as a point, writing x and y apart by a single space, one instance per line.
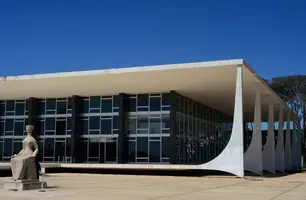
286 191
199 190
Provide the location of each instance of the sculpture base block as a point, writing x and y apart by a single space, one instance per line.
25 184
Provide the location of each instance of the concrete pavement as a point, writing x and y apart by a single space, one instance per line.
130 187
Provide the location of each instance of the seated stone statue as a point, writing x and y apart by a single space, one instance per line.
23 165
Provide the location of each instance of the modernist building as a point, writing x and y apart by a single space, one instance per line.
190 116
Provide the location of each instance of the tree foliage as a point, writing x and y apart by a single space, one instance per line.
292 89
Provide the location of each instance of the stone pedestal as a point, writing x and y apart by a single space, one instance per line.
25 184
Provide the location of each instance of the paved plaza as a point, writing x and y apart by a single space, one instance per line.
130 187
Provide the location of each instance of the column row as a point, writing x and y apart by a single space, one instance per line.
281 151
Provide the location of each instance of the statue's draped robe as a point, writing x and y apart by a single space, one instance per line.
24 165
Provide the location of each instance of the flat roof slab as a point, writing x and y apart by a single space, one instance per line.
211 83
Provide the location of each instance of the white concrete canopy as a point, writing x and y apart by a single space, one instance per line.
212 83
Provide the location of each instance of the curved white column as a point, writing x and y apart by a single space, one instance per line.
253 155
279 153
299 147
269 148
288 164
231 158
294 153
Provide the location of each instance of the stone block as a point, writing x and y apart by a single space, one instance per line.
25 184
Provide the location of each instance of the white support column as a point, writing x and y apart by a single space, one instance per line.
269 148
299 147
280 154
294 143
253 155
231 158
288 164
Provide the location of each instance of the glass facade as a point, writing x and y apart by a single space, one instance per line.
100 126
202 132
143 131
13 118
148 128
54 129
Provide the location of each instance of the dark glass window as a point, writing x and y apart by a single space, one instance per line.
132 105
49 147
95 102
61 107
155 126
50 124
41 129
19 109
82 151
107 105
102 152
59 151
166 99
19 128
131 148
50 104
8 151
166 147
9 125
42 108
68 147
95 110
142 147
154 151
166 121
116 122
1 128
116 102
106 126
85 127
94 122
166 108
60 127
41 150
1 150
69 103
10 106
2 109
143 100
142 108
93 148
85 106
142 122
111 151
69 123
131 126
50 112
155 104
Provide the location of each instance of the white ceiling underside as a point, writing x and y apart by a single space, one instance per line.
211 83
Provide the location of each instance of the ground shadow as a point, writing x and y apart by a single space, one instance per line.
183 173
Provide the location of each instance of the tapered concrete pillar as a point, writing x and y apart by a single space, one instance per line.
294 144
253 155
299 147
288 164
269 148
231 158
280 154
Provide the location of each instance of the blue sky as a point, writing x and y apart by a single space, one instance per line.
61 35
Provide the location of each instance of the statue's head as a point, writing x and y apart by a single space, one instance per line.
29 128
